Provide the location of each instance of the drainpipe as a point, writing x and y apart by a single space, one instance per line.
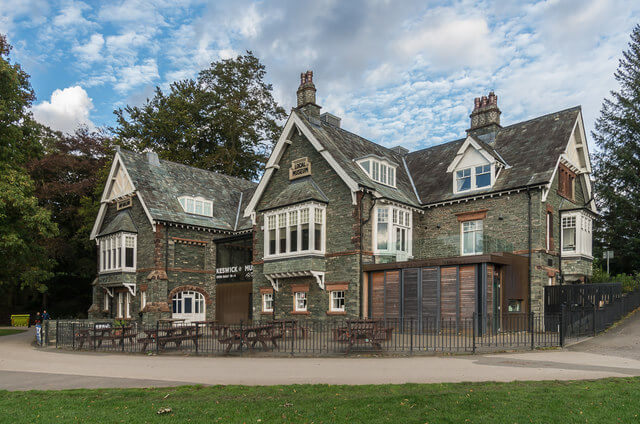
530 252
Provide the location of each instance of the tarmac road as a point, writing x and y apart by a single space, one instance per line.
24 367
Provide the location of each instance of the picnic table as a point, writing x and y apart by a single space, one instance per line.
245 336
103 332
163 335
289 328
373 332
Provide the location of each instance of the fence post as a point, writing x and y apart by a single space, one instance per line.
196 339
73 335
411 336
531 328
562 335
293 333
594 318
241 336
473 331
122 341
157 334
57 331
94 336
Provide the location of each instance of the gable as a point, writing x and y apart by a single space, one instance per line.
472 157
119 184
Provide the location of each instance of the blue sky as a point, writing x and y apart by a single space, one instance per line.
397 72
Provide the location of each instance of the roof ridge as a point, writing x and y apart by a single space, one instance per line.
546 115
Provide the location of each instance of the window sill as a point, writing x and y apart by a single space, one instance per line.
118 271
294 255
300 313
336 312
572 255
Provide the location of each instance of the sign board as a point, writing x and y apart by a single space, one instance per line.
299 168
234 273
608 254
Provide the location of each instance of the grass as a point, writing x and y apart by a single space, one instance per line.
608 400
10 331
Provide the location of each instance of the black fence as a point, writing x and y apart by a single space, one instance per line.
580 296
591 318
311 338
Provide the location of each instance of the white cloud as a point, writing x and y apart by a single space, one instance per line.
92 50
67 109
135 75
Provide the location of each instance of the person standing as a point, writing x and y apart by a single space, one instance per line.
45 315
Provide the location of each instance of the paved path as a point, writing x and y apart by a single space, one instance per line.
23 366
622 340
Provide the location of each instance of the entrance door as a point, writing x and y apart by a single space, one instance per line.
189 305
233 302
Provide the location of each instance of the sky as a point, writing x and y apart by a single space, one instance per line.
396 72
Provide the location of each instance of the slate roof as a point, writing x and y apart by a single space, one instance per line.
122 222
346 147
298 191
531 149
161 185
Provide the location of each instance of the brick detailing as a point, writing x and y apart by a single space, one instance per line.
343 285
189 241
158 247
471 216
178 289
157 274
299 288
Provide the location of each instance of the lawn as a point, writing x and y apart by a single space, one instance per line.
10 331
599 401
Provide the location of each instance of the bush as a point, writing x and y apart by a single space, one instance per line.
629 282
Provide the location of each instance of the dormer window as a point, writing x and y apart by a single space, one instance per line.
379 170
196 205
473 178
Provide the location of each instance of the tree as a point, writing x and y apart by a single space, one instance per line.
224 121
66 178
24 224
617 164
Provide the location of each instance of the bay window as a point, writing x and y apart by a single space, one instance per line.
577 237
392 230
117 252
294 231
472 237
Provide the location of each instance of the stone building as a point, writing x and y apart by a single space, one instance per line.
162 232
345 226
340 226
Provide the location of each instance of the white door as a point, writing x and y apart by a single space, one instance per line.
189 305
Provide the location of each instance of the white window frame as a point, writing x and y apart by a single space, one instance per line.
314 210
475 231
189 205
127 305
406 223
583 234
473 174
331 299
120 306
300 295
264 302
380 170
112 253
105 302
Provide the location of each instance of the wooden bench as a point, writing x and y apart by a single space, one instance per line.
172 335
363 331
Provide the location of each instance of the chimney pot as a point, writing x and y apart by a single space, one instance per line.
306 95
485 117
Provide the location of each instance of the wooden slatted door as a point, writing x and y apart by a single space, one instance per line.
448 296
377 294
430 297
410 304
392 298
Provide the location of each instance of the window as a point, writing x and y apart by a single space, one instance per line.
577 237
566 180
120 305
472 237
188 305
379 170
300 301
124 204
267 302
514 305
295 231
569 234
127 305
392 231
337 301
117 252
549 230
143 300
196 205
473 178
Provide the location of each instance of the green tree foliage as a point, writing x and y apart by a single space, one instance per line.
24 224
224 121
617 164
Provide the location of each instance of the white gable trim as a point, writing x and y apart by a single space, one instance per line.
104 200
460 154
294 122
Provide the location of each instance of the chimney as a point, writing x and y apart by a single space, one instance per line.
330 119
485 118
152 158
399 150
307 96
